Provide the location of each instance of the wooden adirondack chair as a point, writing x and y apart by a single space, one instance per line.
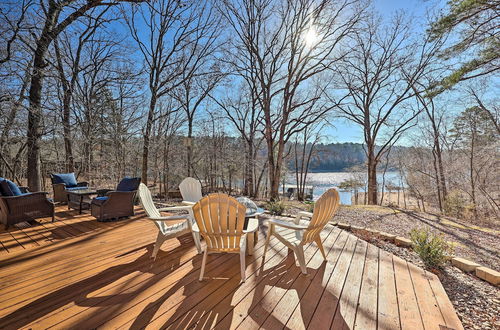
220 219
166 231
295 235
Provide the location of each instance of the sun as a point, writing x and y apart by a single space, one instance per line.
311 37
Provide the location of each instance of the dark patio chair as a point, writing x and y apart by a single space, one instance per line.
115 204
17 204
63 182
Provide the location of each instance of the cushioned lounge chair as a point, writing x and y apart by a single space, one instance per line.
114 204
63 182
17 204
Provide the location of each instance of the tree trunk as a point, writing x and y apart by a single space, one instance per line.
35 115
147 135
249 179
189 146
372 177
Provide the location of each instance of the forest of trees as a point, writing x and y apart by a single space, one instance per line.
238 92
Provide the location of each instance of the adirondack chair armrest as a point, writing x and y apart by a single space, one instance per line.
175 208
302 214
188 203
171 218
305 214
286 224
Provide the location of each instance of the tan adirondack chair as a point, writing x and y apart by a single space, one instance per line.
220 220
297 234
165 231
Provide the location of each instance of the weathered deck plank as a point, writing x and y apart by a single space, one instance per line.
78 273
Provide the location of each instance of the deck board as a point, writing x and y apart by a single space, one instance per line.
78 273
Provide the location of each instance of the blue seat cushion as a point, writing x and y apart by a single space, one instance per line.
99 200
128 184
76 188
68 179
9 188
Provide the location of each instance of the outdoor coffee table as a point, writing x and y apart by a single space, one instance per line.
79 199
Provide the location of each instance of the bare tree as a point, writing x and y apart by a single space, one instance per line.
243 111
283 45
70 61
383 65
176 33
57 16
304 148
435 119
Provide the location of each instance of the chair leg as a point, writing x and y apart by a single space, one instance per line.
299 252
203 262
242 260
320 245
266 245
197 242
159 241
250 243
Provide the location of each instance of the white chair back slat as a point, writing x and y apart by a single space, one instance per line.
190 190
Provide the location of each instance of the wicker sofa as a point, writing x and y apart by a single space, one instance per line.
115 204
19 205
64 182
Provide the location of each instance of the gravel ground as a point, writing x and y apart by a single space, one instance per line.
477 243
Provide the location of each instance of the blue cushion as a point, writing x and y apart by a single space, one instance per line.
102 198
68 179
76 188
128 184
9 188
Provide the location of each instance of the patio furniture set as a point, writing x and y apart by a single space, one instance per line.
227 224
17 204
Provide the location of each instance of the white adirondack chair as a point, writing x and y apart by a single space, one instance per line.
166 231
295 235
190 190
220 219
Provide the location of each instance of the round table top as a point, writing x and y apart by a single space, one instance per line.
253 213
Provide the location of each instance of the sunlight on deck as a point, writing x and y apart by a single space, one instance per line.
79 273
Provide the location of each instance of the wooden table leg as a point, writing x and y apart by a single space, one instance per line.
81 202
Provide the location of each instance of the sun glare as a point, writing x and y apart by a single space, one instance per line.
311 37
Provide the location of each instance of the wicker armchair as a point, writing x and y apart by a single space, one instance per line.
60 188
116 204
25 207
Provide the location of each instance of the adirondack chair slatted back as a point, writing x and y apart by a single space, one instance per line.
324 210
220 219
190 190
147 204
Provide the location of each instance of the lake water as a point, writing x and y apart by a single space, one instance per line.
323 181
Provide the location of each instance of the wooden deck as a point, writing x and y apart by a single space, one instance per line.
78 273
